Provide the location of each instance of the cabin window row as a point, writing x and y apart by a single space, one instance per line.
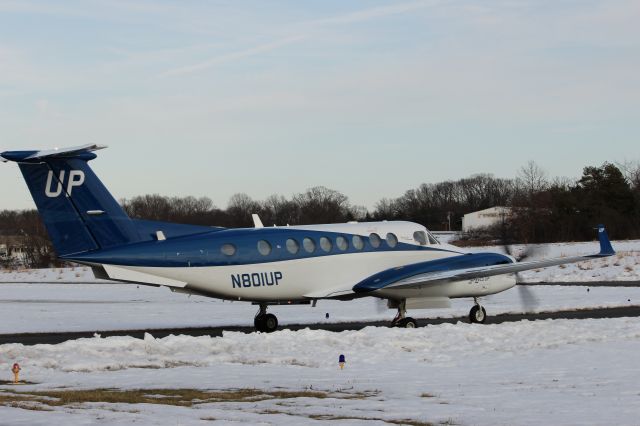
326 244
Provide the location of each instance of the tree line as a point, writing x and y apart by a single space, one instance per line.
543 209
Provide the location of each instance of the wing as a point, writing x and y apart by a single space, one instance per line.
456 268
421 274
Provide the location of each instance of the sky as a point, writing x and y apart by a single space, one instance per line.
371 98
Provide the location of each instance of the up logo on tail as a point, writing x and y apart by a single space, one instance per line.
75 178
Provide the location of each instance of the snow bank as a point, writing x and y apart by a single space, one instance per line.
525 373
436 345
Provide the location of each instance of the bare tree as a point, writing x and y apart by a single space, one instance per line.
241 207
532 178
277 210
631 171
322 205
386 208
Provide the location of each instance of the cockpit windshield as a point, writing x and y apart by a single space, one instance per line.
432 239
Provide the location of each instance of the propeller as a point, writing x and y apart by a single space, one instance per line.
528 300
520 255
381 305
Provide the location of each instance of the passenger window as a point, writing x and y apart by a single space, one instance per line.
420 237
325 244
392 240
264 247
228 249
432 239
292 246
342 243
309 245
374 240
357 242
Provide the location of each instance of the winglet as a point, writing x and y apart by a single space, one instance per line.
605 245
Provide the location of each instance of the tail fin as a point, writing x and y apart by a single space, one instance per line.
605 245
79 212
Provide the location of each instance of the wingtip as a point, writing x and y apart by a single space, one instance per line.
606 249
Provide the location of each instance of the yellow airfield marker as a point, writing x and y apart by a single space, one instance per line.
16 373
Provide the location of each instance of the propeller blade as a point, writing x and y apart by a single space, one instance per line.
530 250
528 300
381 305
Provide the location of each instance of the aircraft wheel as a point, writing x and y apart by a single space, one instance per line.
477 315
270 323
407 322
259 323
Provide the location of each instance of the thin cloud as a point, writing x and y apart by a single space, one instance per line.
349 18
256 50
372 13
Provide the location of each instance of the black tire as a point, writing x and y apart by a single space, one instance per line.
410 323
477 315
270 323
407 322
259 323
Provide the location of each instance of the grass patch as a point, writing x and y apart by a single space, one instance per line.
26 402
175 397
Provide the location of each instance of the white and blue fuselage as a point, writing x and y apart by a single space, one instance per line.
294 263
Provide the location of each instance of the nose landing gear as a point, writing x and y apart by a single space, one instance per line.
401 320
264 322
477 315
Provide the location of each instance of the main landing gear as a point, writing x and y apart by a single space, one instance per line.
401 319
267 323
477 315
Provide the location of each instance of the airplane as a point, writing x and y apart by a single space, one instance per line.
399 261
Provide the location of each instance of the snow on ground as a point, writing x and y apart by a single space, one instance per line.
78 274
524 373
92 307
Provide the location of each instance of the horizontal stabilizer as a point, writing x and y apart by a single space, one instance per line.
34 156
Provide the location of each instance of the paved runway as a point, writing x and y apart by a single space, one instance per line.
58 337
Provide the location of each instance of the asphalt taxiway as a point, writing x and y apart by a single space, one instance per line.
59 337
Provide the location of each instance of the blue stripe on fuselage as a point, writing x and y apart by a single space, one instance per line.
204 249
466 261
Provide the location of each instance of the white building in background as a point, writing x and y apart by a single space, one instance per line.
15 251
484 218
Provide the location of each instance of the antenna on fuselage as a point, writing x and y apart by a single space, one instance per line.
257 223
